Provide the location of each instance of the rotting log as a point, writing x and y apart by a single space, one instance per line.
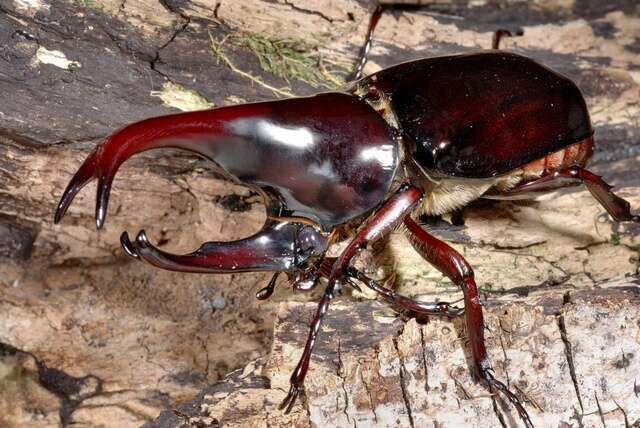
88 336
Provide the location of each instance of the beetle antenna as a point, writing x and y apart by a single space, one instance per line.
423 171
364 51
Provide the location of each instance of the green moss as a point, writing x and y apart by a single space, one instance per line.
292 59
615 239
288 58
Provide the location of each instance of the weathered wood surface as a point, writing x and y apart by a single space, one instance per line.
375 370
90 337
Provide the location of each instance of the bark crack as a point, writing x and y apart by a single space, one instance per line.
340 373
308 12
604 424
424 361
186 20
506 359
525 290
624 414
568 352
497 411
403 385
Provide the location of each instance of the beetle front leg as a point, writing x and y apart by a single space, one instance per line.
388 216
455 267
420 308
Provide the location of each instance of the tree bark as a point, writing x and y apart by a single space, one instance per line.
89 336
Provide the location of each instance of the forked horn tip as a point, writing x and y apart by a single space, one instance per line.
66 199
128 246
142 239
102 201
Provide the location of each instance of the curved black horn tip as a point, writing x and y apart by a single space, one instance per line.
57 216
100 212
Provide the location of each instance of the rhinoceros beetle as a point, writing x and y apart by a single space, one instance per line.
425 136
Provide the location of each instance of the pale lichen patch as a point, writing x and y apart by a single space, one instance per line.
53 57
31 7
177 96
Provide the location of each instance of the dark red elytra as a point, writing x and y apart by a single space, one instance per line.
483 114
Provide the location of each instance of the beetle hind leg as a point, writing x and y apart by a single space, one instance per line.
455 267
618 208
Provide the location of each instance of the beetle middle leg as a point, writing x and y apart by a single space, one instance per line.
418 307
500 33
388 216
455 267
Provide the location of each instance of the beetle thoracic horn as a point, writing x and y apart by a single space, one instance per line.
353 161
203 132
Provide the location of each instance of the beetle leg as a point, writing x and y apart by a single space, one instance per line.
421 308
306 280
500 33
457 217
373 22
455 267
388 216
617 207
266 292
274 248
364 51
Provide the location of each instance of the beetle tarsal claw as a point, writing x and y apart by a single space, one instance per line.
487 375
128 246
290 399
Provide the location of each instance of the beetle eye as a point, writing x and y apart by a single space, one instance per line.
310 242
